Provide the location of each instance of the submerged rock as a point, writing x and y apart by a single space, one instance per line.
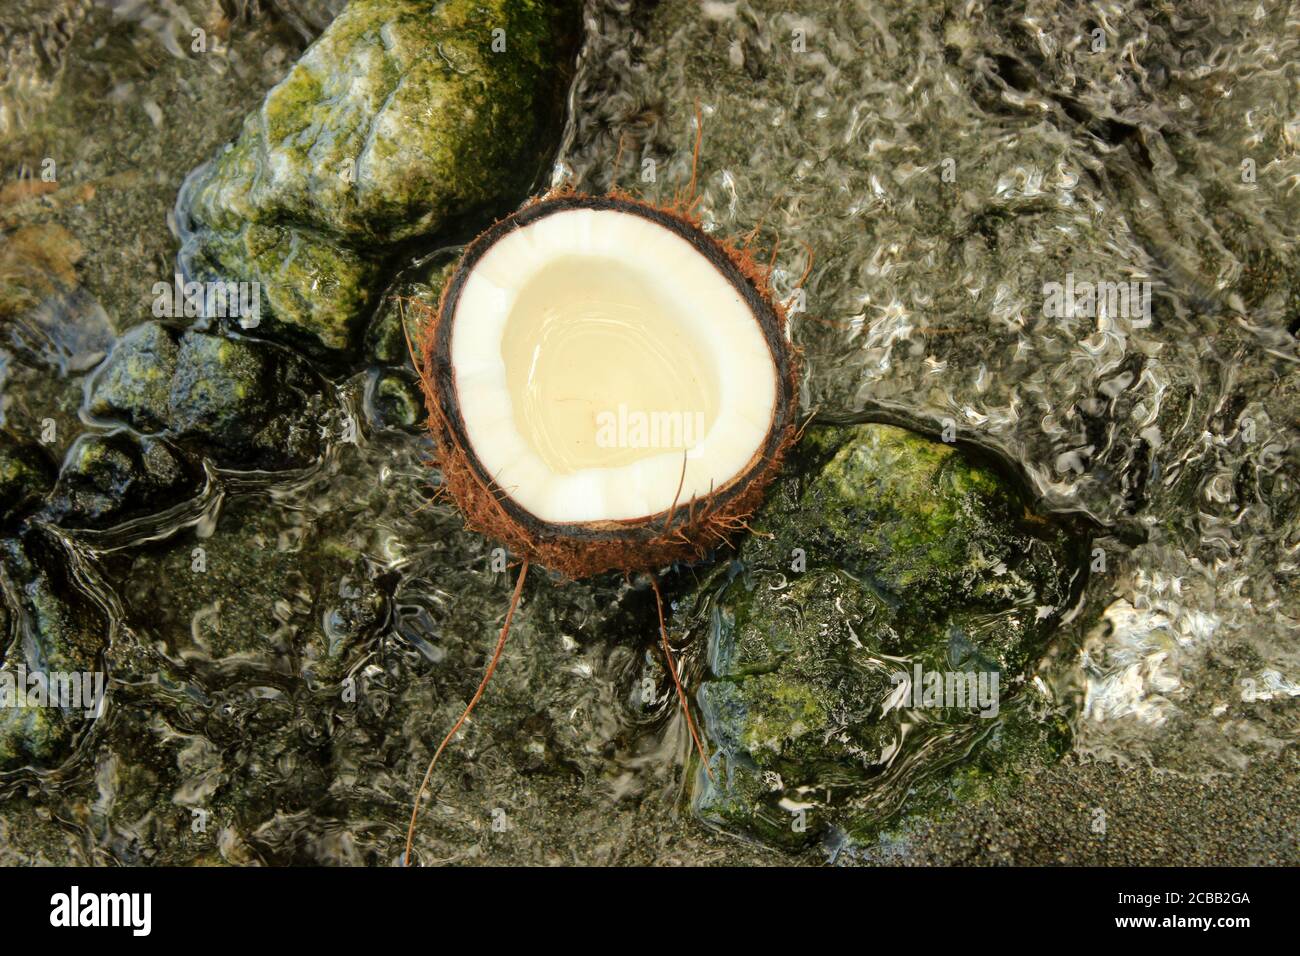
279 591
400 117
26 474
53 641
135 383
893 569
109 478
244 402
393 400
355 608
396 325
244 594
44 310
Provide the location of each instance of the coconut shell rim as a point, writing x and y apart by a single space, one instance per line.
576 549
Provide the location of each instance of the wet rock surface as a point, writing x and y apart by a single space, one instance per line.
893 567
26 475
245 402
395 401
108 478
53 631
398 119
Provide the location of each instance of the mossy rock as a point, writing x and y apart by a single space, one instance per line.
134 382
919 519
107 479
243 402
26 475
51 628
393 400
883 553
401 117
315 292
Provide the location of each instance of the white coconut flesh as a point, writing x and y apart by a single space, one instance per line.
595 352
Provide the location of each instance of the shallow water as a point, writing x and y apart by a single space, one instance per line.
941 164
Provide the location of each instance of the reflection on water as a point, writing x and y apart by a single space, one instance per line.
944 170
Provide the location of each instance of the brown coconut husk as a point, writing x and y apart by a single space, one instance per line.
688 530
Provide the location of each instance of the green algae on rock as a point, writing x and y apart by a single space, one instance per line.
134 384
244 402
401 116
26 474
54 628
315 291
393 400
889 553
108 478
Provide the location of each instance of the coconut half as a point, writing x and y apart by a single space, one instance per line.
608 386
